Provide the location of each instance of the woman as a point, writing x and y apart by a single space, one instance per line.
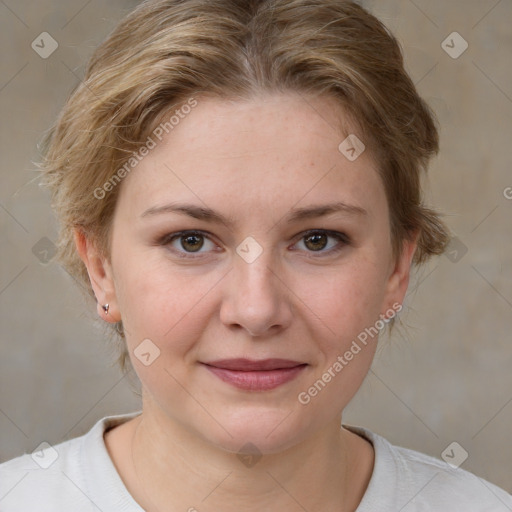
239 190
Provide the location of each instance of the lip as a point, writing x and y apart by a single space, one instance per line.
255 375
245 365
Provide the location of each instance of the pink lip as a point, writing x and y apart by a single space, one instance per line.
255 375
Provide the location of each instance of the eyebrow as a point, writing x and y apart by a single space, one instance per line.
296 214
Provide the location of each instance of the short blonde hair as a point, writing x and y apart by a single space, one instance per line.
167 52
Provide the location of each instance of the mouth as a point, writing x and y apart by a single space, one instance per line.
248 365
255 375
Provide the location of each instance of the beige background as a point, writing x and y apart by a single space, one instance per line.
447 379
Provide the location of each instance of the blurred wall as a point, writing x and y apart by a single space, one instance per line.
447 378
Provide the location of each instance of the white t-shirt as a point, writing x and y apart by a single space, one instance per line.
78 475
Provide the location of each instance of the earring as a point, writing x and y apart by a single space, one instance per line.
105 308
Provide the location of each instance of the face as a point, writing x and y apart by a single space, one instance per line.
224 248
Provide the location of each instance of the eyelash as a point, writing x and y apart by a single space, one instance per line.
341 237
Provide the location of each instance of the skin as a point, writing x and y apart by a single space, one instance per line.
253 161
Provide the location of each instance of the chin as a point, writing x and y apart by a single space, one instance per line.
262 429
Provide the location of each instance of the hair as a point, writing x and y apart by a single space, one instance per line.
166 52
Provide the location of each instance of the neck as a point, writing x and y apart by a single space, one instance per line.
173 465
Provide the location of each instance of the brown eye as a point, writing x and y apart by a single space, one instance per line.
192 243
316 242
324 242
185 243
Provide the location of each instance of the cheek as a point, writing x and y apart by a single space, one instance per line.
346 307
346 300
161 302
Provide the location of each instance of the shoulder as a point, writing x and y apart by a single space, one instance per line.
410 481
43 478
60 477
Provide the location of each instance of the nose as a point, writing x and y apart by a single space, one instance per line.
256 297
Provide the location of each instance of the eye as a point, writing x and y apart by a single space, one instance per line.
317 240
186 243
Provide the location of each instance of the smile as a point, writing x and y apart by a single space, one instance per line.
251 375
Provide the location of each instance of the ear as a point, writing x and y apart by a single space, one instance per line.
100 273
398 280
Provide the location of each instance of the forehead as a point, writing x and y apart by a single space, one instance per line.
283 147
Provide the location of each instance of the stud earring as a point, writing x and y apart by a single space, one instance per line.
105 308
